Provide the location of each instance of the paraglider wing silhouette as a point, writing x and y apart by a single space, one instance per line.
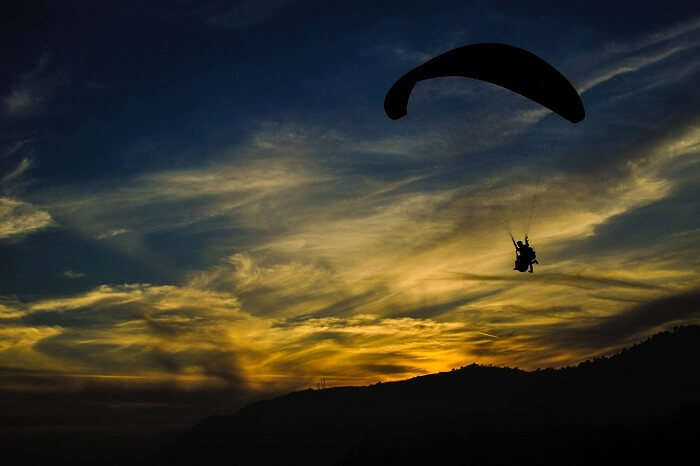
504 65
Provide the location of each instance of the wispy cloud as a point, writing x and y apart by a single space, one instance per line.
112 233
575 280
414 57
24 165
319 266
19 101
29 90
294 303
632 64
145 203
657 37
15 148
200 336
10 309
19 218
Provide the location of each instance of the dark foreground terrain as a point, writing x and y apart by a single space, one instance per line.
640 405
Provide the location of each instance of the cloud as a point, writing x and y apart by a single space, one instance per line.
200 338
281 288
276 184
128 330
320 243
620 59
73 275
10 309
634 323
575 280
413 57
589 335
632 64
177 198
15 148
19 218
323 243
29 91
24 165
19 101
112 233
327 251
690 26
14 182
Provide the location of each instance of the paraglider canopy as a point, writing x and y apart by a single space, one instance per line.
507 66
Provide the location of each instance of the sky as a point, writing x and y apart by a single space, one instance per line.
209 195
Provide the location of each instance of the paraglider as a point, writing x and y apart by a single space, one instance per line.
504 65
525 256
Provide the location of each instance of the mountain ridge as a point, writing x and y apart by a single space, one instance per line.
619 400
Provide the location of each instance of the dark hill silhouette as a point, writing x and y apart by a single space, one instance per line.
641 404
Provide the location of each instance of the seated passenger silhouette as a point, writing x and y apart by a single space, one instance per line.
524 256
